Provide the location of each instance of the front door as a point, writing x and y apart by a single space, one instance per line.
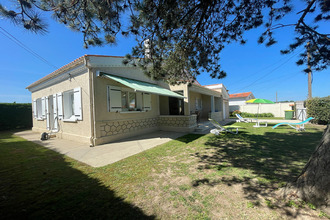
176 106
50 113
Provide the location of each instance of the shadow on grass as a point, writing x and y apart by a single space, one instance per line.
37 183
189 138
273 158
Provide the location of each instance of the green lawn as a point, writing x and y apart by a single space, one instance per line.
269 118
194 177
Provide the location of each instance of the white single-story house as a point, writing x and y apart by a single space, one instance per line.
237 99
97 99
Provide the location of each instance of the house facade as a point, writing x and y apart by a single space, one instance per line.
224 105
237 99
97 99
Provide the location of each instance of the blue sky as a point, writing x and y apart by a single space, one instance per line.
251 67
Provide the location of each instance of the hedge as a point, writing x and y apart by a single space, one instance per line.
319 108
245 114
14 115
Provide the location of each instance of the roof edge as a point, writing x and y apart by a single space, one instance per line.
240 95
57 72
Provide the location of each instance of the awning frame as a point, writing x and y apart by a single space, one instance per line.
140 86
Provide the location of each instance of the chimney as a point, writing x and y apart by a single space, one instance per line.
147 50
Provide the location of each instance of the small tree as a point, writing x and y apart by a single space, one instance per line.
319 109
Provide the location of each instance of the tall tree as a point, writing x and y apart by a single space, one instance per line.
187 37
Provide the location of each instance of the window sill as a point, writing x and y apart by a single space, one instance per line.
128 112
70 120
40 119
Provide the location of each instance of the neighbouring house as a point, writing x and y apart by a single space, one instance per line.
97 99
237 99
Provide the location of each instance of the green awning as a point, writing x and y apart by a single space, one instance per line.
142 86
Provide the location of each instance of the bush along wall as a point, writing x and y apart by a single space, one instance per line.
15 115
261 115
319 108
245 114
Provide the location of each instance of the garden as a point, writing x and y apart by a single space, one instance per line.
193 177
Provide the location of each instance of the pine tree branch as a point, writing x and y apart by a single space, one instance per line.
301 19
315 32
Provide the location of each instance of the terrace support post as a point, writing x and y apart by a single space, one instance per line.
186 100
212 103
313 184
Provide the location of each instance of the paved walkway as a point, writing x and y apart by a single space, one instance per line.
105 154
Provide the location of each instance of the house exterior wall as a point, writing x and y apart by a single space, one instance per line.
104 126
177 123
226 103
192 101
77 131
112 126
218 116
206 106
221 103
217 104
225 109
237 101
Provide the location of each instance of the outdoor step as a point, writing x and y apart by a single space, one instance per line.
203 127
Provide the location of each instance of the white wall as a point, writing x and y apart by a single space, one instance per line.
240 101
277 109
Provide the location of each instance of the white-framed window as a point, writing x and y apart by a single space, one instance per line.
128 101
198 103
39 108
69 105
122 100
66 106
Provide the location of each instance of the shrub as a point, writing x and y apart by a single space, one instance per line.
236 112
249 115
318 108
14 115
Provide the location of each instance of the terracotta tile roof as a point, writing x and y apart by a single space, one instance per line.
197 83
65 67
240 95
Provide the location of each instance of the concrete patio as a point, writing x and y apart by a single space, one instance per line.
110 153
103 154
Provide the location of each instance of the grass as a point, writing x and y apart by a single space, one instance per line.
193 177
270 118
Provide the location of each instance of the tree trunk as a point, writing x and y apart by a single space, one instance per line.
313 184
